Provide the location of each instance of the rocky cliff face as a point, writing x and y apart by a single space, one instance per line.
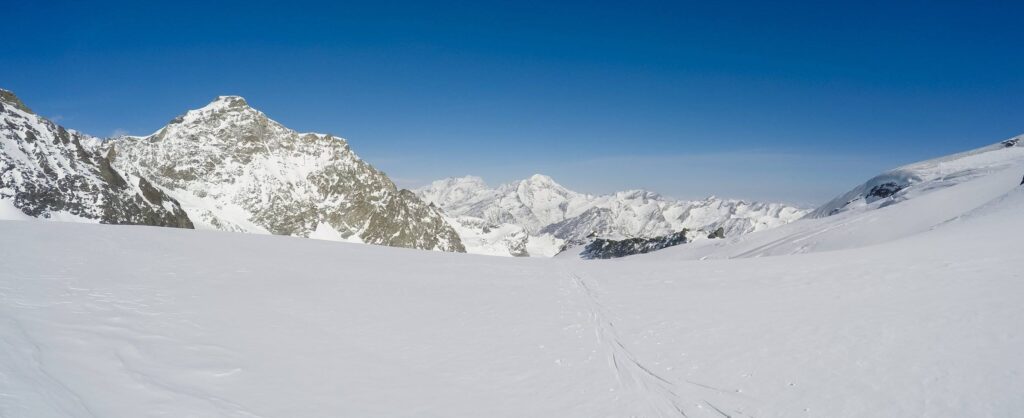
47 171
555 217
235 169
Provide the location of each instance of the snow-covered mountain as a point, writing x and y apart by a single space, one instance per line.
545 216
235 169
893 205
47 171
925 177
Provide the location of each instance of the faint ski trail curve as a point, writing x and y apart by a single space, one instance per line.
629 371
70 403
227 407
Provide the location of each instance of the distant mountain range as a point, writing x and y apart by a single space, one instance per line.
227 166
539 217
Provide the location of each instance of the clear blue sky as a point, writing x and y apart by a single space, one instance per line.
782 101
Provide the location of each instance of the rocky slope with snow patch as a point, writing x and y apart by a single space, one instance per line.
912 180
235 169
555 217
602 248
49 172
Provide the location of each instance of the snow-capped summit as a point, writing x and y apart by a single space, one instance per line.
47 171
549 216
540 180
233 168
227 102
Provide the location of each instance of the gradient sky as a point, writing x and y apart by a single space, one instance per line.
794 102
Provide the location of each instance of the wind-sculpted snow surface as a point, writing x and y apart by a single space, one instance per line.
49 172
555 217
235 169
136 321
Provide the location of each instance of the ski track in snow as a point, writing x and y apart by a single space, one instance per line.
661 394
59 396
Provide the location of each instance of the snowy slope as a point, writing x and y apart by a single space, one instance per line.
926 194
554 217
135 321
49 172
235 169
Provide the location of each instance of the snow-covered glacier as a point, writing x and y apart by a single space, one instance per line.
916 314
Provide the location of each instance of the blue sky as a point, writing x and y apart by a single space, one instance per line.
794 101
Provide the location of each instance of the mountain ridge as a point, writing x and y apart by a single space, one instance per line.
48 171
554 217
223 166
236 169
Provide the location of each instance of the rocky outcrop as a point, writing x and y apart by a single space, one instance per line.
607 248
717 234
47 171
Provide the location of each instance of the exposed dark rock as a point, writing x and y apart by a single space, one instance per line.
885 190
607 248
718 233
46 170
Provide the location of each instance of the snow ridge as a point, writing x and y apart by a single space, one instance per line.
911 180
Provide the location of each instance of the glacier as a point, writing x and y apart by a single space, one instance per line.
908 305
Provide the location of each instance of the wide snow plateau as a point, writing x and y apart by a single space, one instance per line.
125 321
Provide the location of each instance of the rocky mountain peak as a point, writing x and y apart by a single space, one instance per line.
8 97
229 102
222 112
239 170
47 171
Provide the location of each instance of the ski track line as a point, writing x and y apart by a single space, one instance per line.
661 394
65 395
628 370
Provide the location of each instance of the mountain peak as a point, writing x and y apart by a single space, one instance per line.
219 108
541 179
228 102
8 97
